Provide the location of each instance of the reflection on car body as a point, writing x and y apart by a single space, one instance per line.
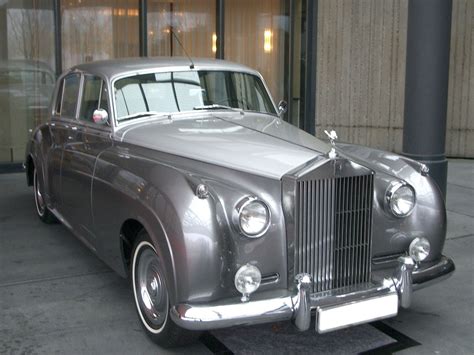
187 181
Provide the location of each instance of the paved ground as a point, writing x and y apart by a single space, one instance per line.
56 297
442 316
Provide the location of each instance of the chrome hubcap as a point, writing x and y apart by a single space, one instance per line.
150 289
40 205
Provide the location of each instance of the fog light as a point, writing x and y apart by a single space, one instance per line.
247 280
419 249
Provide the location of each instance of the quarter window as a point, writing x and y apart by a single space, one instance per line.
69 99
59 98
103 98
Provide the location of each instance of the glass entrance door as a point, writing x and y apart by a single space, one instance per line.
26 72
296 92
192 22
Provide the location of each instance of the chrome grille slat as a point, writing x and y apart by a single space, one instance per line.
333 230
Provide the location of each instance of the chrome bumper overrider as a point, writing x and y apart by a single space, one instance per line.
272 306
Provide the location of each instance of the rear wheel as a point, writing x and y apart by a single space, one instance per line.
152 298
41 209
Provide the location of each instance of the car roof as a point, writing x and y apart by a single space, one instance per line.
117 67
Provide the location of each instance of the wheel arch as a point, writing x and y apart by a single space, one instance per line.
129 232
128 235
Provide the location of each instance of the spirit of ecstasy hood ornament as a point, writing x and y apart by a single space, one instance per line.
332 139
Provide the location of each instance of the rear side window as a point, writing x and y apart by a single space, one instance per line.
59 98
70 92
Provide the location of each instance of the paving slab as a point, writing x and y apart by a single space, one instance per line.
460 199
459 225
441 317
461 172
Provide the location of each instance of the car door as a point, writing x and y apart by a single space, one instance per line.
87 140
63 117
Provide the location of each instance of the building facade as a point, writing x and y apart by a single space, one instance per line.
339 64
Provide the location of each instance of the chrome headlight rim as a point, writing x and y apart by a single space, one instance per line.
239 208
391 190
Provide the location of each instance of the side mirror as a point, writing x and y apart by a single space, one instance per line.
282 107
100 116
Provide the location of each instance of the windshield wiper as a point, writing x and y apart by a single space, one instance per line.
139 114
215 107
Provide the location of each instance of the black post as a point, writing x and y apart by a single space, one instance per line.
426 86
220 29
57 37
289 38
3 33
142 24
311 61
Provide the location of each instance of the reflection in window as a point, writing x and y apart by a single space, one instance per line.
26 75
255 36
194 22
188 90
94 30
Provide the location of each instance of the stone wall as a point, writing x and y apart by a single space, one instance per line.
361 73
460 125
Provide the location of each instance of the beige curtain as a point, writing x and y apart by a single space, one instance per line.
255 35
94 30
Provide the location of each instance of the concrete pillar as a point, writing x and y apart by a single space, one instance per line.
426 87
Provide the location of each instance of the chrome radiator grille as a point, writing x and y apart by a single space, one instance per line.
333 230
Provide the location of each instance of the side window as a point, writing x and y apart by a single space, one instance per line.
69 100
90 97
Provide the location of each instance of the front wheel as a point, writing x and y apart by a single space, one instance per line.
152 298
41 209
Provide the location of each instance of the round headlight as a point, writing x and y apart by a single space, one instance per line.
419 249
400 199
247 280
253 217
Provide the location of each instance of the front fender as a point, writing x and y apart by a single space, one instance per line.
391 234
201 249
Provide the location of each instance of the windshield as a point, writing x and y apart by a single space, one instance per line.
147 94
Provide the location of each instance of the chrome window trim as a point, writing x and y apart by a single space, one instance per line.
79 97
56 116
62 84
115 78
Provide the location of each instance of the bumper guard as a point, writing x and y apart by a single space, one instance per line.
273 306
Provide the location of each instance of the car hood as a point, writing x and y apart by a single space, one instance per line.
255 143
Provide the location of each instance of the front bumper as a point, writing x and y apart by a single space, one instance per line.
284 305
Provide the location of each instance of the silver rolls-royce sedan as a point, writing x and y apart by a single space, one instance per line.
184 178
